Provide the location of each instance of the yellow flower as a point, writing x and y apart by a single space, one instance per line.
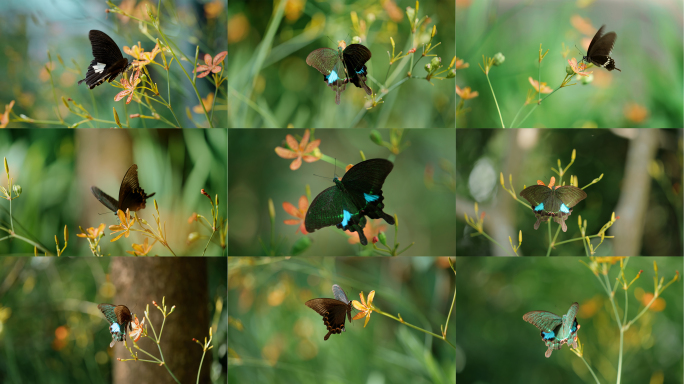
141 249
365 308
125 225
93 233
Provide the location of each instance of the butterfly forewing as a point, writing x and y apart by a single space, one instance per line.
105 199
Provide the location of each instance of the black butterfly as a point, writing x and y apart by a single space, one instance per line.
131 196
333 311
600 48
108 62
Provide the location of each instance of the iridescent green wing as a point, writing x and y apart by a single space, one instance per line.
329 63
334 207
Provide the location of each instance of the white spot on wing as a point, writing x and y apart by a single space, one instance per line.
99 68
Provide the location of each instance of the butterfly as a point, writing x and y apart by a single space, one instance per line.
131 196
119 318
600 48
108 62
555 330
346 65
344 204
333 310
556 202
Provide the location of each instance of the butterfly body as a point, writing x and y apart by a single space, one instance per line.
556 330
332 310
119 318
108 62
131 196
600 48
346 65
554 202
357 194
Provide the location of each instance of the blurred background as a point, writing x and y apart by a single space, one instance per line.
495 345
275 338
51 330
57 167
648 50
272 86
46 51
642 184
419 190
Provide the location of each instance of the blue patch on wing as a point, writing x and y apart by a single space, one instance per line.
346 218
332 77
564 208
539 207
370 198
115 328
548 335
361 72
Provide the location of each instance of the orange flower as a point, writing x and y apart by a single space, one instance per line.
461 64
4 118
578 69
539 88
369 231
466 93
300 213
137 331
635 112
212 65
124 226
298 150
365 308
208 102
145 58
93 233
141 249
129 87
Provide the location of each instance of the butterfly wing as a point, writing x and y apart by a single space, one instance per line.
333 312
335 207
105 199
364 183
131 196
569 325
355 57
327 62
341 296
549 324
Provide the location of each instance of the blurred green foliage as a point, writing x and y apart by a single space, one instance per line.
272 86
277 339
56 168
529 155
425 209
648 50
51 330
496 346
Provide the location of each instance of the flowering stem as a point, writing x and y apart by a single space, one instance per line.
412 326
